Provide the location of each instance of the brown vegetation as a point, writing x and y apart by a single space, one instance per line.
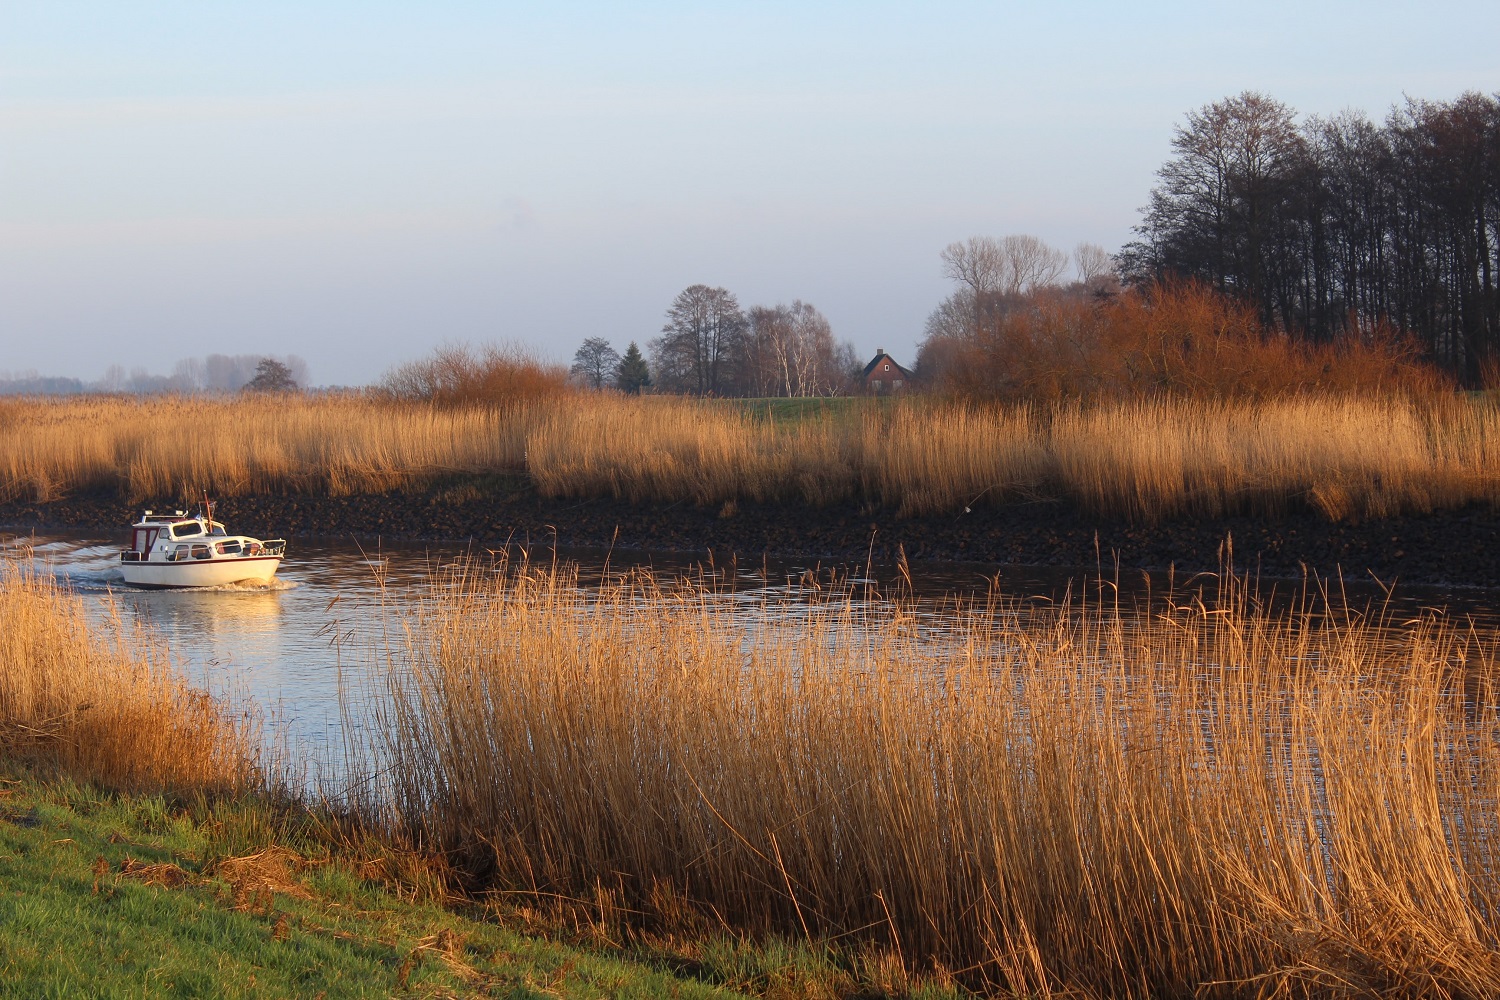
1210 799
1347 455
106 707
1146 460
1178 339
502 376
166 447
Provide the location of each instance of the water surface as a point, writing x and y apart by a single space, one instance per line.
288 648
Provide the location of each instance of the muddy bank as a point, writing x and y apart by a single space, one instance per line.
1453 548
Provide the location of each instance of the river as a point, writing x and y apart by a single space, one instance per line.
286 650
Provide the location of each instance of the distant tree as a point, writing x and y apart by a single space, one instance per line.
1095 267
848 369
595 363
702 342
791 352
977 263
632 374
1030 263
271 376
1012 265
1227 201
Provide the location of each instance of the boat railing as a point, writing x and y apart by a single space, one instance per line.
183 553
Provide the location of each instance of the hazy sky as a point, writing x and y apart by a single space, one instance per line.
359 182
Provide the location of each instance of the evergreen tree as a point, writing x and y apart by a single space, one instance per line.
632 375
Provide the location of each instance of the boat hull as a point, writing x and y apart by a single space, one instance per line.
201 572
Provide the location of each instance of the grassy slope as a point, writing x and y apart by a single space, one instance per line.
70 927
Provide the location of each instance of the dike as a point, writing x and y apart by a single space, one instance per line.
1458 548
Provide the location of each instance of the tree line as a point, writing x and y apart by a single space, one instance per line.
216 373
1330 227
709 346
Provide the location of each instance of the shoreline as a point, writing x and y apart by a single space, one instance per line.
1455 548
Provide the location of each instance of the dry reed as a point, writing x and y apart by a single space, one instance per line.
104 704
1145 460
172 447
1349 456
1208 799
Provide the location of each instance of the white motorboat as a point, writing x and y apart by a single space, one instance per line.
182 550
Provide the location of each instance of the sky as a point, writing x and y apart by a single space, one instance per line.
359 183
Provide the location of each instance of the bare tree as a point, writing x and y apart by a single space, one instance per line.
1092 262
1225 201
595 363
978 262
955 318
1095 267
791 352
1013 265
702 343
1029 263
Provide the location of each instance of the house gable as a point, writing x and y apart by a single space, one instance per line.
884 374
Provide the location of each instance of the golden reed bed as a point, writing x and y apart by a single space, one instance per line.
1346 455
104 704
1206 799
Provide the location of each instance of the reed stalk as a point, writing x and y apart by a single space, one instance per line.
1207 796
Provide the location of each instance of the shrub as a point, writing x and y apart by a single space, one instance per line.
495 375
1168 339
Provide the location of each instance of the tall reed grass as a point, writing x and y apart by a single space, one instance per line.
105 704
1142 459
173 447
1211 798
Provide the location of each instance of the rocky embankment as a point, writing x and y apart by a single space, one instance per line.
1450 548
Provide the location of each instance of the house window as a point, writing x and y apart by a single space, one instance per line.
896 384
886 368
875 384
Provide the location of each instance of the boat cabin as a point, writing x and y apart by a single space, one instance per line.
178 537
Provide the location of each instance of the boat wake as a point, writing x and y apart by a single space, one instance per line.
246 587
119 585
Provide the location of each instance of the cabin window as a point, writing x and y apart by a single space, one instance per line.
200 552
178 552
228 548
186 530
